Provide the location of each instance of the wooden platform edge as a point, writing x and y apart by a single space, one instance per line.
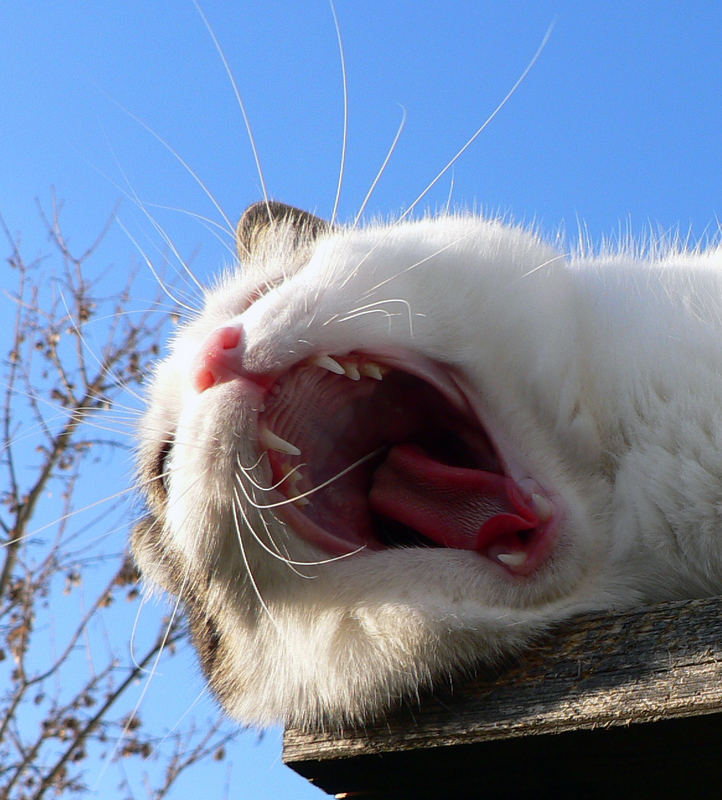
650 664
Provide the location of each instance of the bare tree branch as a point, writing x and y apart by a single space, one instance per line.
76 350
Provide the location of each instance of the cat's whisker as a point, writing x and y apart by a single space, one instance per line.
368 293
344 143
100 362
187 167
483 127
76 511
165 237
291 562
241 106
322 485
285 557
236 509
157 308
382 169
153 670
134 630
411 267
373 308
494 297
129 192
451 192
203 692
219 230
543 265
153 271
246 471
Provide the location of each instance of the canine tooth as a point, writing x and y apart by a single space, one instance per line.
544 509
515 559
326 362
301 501
292 475
351 370
271 441
372 370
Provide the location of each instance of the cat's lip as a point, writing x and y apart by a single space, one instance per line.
513 522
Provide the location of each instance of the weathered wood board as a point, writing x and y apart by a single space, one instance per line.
608 704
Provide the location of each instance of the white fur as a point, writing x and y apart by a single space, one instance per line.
601 375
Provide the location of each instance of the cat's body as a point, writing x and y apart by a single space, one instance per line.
539 435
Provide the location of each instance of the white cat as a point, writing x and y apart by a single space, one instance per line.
380 456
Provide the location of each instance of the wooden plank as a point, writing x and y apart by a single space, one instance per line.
618 672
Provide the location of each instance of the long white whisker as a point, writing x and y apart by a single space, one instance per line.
162 233
249 477
131 647
375 288
133 196
484 126
382 169
320 486
451 192
216 230
150 266
143 693
373 308
241 105
182 162
277 554
237 508
286 556
91 352
344 144
492 298
415 265
77 511
204 691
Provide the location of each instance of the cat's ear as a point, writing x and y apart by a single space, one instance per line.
260 220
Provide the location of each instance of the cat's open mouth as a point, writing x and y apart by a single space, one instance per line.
386 452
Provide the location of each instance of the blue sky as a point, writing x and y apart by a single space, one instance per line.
616 127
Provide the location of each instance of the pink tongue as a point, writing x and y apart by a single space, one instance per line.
452 506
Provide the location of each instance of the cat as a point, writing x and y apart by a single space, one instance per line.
383 455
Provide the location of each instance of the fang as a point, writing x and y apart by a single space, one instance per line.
372 370
328 363
270 441
542 507
351 371
515 559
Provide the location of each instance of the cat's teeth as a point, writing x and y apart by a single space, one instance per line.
293 478
542 507
370 369
515 559
326 362
351 370
268 439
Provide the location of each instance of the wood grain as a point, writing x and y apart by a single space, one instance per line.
636 675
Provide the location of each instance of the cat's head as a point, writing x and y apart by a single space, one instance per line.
371 461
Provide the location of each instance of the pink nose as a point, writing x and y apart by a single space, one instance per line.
220 359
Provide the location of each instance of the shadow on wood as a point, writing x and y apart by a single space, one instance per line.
628 704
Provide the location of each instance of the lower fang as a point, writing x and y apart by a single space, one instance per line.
515 559
268 439
543 508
